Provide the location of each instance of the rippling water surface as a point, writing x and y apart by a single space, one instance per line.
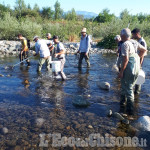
27 97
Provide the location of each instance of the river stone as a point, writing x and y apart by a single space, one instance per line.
12 49
39 122
143 123
117 116
104 85
1 75
4 130
115 68
80 102
90 127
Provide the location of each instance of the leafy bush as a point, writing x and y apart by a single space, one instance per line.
29 29
8 27
108 42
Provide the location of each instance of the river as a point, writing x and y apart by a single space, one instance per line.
32 104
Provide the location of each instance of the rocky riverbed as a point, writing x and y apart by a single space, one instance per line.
12 48
33 105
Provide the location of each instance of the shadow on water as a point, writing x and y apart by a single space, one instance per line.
26 96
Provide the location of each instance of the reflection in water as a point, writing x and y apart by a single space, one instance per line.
50 91
82 82
52 101
25 76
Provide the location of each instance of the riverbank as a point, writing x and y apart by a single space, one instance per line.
12 48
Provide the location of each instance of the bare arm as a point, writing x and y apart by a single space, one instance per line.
51 47
61 52
142 51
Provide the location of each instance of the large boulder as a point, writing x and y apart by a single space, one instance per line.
143 123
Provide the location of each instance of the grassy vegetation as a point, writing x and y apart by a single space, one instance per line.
30 22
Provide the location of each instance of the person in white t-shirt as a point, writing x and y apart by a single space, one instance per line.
41 48
129 70
60 54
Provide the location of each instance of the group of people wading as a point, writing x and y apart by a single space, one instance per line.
131 54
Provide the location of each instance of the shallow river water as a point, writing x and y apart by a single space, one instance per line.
32 104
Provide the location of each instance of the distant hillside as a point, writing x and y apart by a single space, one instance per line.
86 14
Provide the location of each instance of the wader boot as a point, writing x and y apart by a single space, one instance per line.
80 65
123 104
137 89
28 63
88 64
123 101
87 61
130 107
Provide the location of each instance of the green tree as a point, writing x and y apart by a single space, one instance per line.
71 15
19 8
125 15
4 9
80 17
104 16
58 11
29 6
36 8
143 17
47 12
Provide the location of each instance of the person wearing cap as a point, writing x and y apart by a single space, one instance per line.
50 45
129 70
24 53
119 42
136 35
42 49
60 54
84 48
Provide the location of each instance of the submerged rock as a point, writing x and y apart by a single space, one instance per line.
143 123
1 75
80 102
118 116
39 122
104 85
8 75
4 130
90 127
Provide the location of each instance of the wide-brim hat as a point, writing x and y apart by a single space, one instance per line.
117 37
35 37
83 30
48 34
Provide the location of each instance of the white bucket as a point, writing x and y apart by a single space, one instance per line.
56 66
141 77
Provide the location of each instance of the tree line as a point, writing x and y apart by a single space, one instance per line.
35 21
22 10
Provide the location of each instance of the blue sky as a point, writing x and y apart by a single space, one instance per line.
115 6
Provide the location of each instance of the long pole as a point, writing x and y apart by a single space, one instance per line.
21 61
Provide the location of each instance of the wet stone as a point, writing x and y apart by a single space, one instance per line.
80 102
104 85
1 75
68 128
4 130
39 122
90 127
11 143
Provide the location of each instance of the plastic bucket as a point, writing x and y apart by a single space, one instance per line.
141 77
56 66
